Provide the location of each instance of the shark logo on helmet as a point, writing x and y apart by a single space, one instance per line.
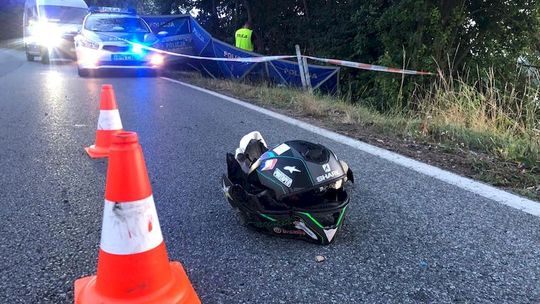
326 168
291 169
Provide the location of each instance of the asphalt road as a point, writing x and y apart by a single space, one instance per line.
408 238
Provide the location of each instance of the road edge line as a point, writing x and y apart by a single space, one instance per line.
476 187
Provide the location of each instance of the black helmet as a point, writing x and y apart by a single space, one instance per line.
294 190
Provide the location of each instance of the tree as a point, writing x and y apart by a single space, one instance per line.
416 34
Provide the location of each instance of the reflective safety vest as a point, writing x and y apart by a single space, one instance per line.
243 39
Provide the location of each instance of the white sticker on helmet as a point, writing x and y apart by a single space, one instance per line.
282 177
291 169
281 149
326 168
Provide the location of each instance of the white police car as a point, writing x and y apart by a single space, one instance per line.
115 38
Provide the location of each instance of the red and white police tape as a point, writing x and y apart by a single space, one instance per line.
369 67
351 64
234 59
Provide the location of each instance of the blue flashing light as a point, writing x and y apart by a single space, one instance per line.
113 10
137 49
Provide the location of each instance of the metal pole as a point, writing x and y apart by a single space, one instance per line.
300 66
306 75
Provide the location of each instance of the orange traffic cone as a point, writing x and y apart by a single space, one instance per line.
109 123
133 266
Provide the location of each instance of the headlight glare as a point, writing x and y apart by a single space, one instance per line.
89 59
46 34
157 60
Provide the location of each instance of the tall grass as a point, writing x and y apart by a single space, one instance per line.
500 124
498 118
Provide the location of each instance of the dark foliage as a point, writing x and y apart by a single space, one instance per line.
453 35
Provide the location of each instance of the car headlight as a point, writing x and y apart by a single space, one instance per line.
46 34
84 42
157 59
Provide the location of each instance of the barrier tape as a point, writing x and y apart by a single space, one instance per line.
237 59
369 67
351 64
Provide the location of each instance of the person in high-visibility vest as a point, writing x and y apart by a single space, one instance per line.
244 37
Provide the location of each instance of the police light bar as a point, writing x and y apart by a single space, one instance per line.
114 10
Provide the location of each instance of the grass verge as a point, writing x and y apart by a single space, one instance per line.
503 159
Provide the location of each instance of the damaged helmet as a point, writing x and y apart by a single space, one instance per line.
297 189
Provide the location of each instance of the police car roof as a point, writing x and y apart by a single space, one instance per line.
68 3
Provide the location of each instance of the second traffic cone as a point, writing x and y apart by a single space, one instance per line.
133 266
109 123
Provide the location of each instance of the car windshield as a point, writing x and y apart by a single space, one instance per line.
115 24
63 14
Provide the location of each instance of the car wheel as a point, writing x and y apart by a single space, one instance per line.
45 56
29 57
83 72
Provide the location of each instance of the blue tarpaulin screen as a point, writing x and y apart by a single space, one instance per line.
186 36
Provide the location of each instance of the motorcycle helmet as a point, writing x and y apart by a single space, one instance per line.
296 190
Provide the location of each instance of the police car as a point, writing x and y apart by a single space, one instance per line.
116 38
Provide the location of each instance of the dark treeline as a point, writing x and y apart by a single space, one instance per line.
417 34
11 19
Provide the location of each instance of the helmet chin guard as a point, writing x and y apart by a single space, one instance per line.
295 190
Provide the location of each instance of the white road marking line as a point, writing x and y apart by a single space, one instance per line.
468 184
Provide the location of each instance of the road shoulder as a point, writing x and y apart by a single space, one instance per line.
486 191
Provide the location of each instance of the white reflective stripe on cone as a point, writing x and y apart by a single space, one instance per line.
109 120
130 227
